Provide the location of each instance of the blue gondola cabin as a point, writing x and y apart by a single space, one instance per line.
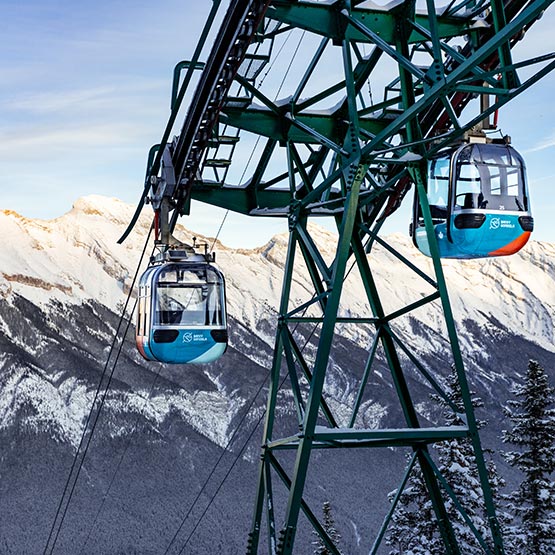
181 315
478 201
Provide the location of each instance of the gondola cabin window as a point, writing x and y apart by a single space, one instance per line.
189 297
438 186
490 178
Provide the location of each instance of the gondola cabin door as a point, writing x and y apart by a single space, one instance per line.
478 201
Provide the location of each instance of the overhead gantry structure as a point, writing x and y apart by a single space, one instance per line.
370 93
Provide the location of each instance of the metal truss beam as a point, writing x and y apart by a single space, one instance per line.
325 19
436 91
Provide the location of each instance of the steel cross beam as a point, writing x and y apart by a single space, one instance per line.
296 123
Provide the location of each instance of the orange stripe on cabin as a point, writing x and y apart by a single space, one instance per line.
139 341
513 246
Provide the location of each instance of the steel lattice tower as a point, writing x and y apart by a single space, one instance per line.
354 162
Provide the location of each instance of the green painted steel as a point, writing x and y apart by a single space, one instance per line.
360 141
326 20
304 128
327 146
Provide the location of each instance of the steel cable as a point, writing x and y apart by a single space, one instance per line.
122 457
258 138
76 466
224 452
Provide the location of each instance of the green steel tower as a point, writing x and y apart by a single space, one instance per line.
365 95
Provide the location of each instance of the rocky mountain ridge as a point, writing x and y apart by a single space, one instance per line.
63 284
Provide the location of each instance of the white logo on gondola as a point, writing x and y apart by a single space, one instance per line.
192 337
501 223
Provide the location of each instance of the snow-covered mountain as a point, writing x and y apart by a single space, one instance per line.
64 282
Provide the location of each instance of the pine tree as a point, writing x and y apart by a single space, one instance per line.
532 414
458 465
329 526
414 530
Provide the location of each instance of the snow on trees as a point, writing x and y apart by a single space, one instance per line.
532 414
330 528
413 529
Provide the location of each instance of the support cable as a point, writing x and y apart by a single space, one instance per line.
212 498
122 457
263 78
115 363
84 441
224 452
205 484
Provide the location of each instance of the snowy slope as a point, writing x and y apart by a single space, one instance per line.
63 283
76 257
75 261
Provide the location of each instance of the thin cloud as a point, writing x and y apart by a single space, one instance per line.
55 101
544 144
106 97
39 143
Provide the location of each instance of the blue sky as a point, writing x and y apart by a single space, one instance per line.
85 92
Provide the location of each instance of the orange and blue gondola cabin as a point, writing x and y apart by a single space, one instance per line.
479 204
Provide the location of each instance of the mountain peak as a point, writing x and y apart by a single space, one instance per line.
104 207
77 257
12 213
